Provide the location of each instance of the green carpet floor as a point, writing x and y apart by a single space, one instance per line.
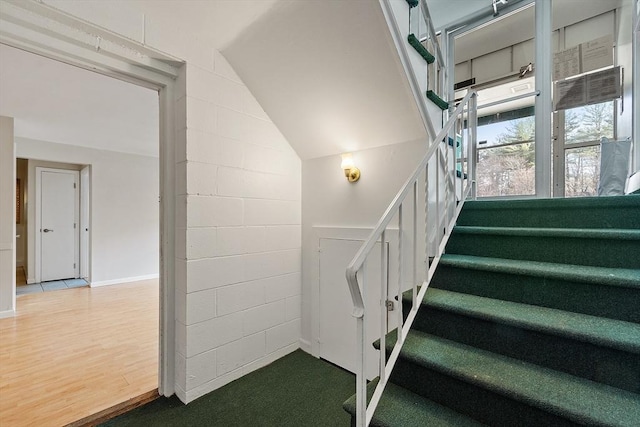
297 390
531 319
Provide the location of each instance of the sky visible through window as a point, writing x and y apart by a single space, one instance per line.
490 132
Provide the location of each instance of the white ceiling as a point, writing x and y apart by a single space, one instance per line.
444 12
56 102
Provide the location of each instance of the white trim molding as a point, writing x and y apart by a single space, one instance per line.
44 30
123 280
7 313
339 233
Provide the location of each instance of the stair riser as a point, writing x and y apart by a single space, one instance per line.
503 364
483 405
604 214
599 252
612 302
597 363
400 407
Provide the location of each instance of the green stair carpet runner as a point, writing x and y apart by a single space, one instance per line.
412 3
415 43
532 318
441 103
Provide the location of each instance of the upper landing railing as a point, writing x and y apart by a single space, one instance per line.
419 51
421 25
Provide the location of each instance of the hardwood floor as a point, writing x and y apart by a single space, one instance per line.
71 353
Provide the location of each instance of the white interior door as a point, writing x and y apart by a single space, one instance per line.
58 209
337 325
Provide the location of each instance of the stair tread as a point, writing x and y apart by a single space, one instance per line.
401 407
419 47
580 400
613 212
602 331
433 97
588 274
585 233
558 202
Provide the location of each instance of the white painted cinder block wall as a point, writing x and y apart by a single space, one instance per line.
238 210
239 253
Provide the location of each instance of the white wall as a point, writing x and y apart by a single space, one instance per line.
330 200
7 218
124 208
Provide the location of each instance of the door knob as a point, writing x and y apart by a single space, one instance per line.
46 230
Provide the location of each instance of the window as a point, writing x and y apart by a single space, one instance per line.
589 123
506 158
579 133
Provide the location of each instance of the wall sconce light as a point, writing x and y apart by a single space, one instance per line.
350 171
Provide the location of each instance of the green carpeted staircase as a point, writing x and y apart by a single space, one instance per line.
532 318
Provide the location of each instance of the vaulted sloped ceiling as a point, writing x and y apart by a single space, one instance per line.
328 75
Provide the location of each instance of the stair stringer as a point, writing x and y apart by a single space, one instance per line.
397 15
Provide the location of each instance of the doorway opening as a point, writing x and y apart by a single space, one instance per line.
111 236
43 30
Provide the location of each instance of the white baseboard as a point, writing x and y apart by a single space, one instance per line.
7 313
124 280
305 346
181 394
225 379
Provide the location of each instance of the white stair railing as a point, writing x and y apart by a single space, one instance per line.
440 208
437 76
